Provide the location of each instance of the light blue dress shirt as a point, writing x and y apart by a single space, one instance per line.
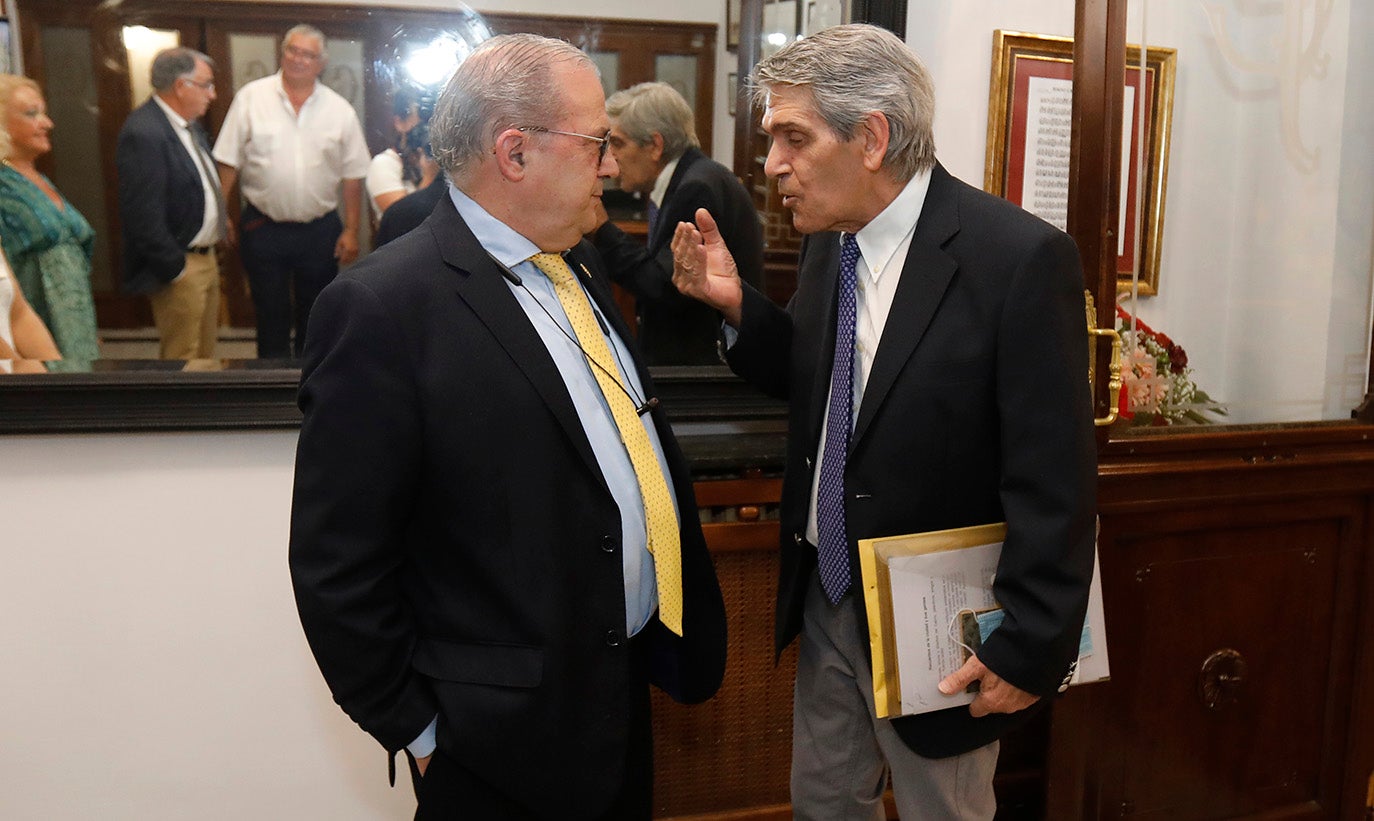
539 300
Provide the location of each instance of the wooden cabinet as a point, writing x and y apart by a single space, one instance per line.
1238 588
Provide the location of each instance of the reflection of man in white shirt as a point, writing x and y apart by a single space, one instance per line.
290 141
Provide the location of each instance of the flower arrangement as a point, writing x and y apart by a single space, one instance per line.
1157 387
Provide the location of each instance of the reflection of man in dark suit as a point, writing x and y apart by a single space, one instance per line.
937 373
170 206
655 145
494 543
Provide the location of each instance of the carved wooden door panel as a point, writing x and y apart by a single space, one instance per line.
1237 583
1228 620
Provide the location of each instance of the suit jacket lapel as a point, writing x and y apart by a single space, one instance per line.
179 148
925 276
662 230
483 287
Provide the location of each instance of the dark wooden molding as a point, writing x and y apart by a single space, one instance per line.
1099 63
890 14
722 422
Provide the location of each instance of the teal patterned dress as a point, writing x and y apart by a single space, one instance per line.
49 249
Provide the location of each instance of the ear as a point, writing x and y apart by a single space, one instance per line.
510 154
656 147
875 132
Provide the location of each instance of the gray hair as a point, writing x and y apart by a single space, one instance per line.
507 82
853 70
655 108
306 30
172 64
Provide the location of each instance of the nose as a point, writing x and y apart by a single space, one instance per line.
774 165
609 167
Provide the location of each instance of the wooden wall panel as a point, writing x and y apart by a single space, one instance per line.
1236 568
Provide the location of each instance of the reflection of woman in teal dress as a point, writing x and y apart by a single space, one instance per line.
49 244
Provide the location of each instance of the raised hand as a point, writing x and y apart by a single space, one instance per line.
704 269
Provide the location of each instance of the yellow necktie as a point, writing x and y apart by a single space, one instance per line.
660 520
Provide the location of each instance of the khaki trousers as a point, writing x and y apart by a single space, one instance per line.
186 311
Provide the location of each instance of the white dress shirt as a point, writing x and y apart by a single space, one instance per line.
290 164
660 189
209 225
883 246
385 175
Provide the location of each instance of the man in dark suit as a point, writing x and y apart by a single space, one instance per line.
170 206
494 543
936 368
655 145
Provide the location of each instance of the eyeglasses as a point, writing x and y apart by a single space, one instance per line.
604 141
300 53
208 85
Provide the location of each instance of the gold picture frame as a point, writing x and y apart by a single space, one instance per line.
1028 146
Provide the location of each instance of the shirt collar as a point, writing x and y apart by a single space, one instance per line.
177 120
884 234
661 184
280 86
508 246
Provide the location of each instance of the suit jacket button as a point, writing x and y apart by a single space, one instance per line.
1063 688
607 544
797 539
612 638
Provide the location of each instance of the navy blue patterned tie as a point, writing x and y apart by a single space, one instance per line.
833 549
653 217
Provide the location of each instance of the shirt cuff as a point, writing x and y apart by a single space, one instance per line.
424 743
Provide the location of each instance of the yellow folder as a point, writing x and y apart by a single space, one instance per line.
875 559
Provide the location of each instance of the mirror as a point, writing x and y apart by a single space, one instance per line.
88 55
1261 313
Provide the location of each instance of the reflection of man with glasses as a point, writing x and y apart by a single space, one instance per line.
170 206
290 141
494 543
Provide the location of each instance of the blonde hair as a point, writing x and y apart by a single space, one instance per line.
10 83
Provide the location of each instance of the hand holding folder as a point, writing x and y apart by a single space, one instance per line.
929 598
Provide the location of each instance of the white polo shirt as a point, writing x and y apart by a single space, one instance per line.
290 165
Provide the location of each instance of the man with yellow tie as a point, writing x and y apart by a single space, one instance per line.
494 543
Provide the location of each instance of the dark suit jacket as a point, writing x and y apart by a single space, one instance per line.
674 329
406 214
161 200
454 547
977 410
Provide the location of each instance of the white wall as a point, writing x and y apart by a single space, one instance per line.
154 666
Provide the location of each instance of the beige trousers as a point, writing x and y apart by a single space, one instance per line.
842 753
186 311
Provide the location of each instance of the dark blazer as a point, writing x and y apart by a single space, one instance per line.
674 329
408 212
161 200
977 410
454 547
